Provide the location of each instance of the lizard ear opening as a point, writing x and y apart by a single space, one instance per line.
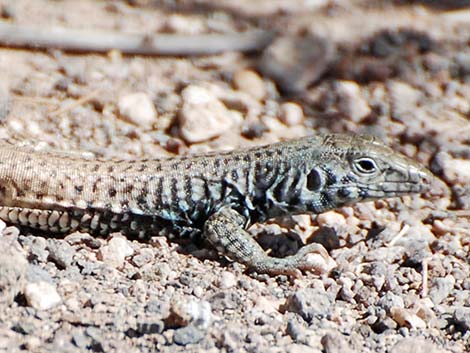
314 180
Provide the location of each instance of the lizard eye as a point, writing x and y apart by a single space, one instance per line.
314 180
365 165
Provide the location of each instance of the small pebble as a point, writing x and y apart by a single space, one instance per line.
41 295
391 300
456 171
462 317
187 335
351 102
347 293
184 312
267 306
60 252
291 114
415 345
251 83
441 288
143 257
203 116
37 247
13 267
404 99
138 109
331 219
309 303
227 280
115 252
295 62
334 342
406 318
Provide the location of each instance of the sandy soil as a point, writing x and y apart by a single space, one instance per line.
396 69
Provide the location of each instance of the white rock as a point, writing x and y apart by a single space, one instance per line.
250 82
404 98
202 115
457 170
331 219
405 317
198 291
268 306
185 311
115 253
228 280
351 102
41 295
304 221
291 114
201 313
138 109
347 292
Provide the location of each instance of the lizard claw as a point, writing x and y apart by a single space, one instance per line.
315 258
312 257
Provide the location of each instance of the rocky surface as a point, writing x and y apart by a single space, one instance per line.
401 281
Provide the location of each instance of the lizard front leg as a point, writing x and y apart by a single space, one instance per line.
224 230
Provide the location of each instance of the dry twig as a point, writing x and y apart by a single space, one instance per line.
157 44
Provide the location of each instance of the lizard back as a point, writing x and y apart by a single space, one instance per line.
61 193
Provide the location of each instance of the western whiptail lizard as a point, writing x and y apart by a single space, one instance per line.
214 196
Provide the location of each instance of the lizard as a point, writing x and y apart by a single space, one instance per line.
213 196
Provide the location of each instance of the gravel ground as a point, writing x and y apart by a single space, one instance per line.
396 69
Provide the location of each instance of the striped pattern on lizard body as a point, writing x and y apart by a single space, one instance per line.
204 195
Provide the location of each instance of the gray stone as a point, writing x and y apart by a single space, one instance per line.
414 345
37 274
335 342
391 300
462 318
143 257
60 252
187 335
295 62
80 339
441 288
36 247
13 267
309 303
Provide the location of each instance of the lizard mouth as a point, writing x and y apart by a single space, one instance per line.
418 182
396 189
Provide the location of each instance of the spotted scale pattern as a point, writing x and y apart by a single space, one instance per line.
55 192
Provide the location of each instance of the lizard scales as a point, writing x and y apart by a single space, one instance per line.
213 195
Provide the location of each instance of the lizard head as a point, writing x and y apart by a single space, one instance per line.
353 169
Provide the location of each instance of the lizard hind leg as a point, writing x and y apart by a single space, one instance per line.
224 230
